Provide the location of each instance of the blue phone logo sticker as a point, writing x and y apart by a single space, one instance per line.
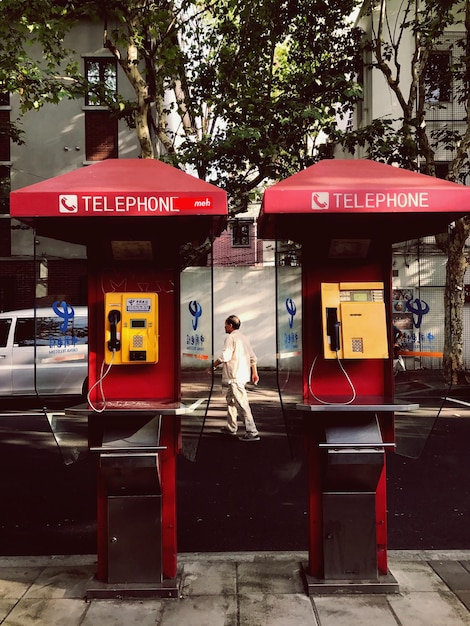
291 310
65 312
418 308
196 311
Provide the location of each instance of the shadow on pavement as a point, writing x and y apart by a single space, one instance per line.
240 496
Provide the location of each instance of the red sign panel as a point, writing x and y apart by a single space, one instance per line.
118 204
119 187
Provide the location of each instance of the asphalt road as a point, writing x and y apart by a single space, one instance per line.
234 496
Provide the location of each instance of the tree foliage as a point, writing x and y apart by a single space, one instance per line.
239 92
268 85
33 60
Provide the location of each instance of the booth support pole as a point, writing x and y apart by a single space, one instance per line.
315 529
170 438
381 520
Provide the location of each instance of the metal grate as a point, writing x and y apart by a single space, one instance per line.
447 111
357 344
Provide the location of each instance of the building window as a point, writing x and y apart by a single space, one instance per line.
5 188
437 78
101 128
241 234
5 151
442 169
5 326
47 331
5 135
101 73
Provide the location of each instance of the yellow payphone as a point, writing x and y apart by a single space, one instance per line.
354 321
131 328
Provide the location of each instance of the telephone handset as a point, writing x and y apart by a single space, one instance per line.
114 343
333 328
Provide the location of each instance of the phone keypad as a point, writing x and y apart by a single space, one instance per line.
137 341
357 344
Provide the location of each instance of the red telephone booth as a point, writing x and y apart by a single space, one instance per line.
141 220
334 224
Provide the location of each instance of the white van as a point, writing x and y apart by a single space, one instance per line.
44 351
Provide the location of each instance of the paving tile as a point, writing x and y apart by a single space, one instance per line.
453 574
207 578
360 610
257 609
5 608
270 577
46 612
464 597
15 581
415 576
465 563
127 613
445 555
395 556
62 582
429 608
200 611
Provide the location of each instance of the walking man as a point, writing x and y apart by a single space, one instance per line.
239 366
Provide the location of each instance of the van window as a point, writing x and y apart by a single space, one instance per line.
48 332
24 332
5 325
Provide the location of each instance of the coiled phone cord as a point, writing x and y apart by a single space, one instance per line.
100 383
310 376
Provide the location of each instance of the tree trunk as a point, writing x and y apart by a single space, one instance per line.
130 67
454 299
142 130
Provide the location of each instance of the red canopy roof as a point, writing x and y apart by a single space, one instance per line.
357 193
344 186
120 187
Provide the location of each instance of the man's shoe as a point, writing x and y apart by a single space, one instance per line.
249 437
227 431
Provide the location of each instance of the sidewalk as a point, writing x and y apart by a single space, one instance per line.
241 589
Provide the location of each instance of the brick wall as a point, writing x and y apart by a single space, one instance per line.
5 238
66 280
227 254
16 284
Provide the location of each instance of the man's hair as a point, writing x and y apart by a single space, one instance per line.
233 321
